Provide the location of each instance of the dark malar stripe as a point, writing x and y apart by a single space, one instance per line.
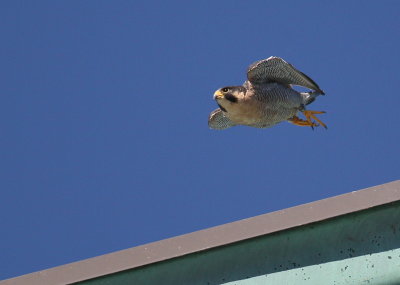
231 98
222 108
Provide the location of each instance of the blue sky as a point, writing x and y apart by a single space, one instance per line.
104 137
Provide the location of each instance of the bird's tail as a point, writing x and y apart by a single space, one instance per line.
309 97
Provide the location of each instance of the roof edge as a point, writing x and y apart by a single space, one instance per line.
214 237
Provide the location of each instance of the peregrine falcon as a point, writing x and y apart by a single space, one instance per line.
266 98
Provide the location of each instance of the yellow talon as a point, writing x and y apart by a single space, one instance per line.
299 122
309 122
311 115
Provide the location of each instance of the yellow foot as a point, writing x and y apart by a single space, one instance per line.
299 122
311 115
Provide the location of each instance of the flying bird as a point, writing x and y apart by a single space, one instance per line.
267 98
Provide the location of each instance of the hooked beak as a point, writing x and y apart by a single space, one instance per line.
218 95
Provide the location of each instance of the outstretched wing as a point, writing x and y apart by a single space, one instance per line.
275 69
218 121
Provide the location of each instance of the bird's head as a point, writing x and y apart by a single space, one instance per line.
226 97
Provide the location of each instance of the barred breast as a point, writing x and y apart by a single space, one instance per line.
274 103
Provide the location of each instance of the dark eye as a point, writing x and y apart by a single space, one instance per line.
225 89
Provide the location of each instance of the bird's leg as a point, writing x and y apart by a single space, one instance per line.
299 122
311 115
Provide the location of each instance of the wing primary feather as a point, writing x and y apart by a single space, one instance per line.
275 69
218 121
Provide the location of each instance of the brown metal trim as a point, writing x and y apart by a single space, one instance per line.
213 237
